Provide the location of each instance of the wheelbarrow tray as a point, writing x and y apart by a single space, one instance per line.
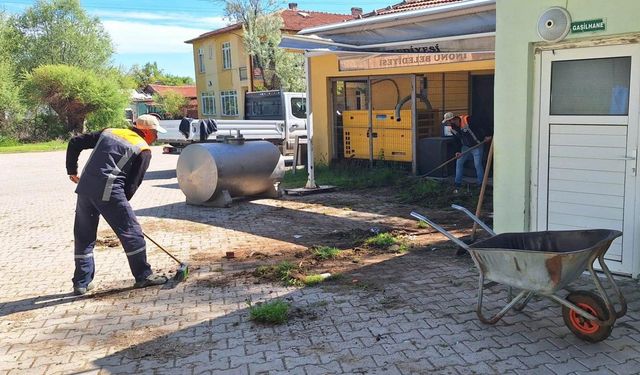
542 262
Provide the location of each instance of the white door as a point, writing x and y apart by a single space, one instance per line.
588 145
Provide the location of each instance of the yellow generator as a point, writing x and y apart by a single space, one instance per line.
391 138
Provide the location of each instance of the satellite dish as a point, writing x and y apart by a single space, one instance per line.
554 24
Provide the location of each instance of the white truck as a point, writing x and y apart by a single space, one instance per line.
273 116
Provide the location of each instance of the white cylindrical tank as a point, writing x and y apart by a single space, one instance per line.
207 170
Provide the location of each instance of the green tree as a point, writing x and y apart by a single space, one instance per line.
11 108
76 94
290 70
262 25
171 103
149 73
58 32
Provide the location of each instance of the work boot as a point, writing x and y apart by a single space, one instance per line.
78 291
151 280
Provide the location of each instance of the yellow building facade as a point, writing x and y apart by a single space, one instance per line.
222 71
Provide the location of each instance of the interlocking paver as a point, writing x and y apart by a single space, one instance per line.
418 317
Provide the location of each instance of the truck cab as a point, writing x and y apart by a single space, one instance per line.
290 107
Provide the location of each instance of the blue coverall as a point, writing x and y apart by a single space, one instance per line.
111 176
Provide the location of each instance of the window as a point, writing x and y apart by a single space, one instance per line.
242 72
299 107
226 55
211 52
208 103
201 60
591 87
229 101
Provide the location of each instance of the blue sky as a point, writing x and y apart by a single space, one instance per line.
155 30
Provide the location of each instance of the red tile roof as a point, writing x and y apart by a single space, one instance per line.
294 20
188 91
408 5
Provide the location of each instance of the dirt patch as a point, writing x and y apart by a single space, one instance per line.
152 343
107 239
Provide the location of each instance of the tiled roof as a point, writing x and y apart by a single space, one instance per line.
294 20
408 5
188 91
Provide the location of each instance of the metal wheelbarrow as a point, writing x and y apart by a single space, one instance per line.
542 263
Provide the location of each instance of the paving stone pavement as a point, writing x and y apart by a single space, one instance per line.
411 314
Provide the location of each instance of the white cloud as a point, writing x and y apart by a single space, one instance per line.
166 18
137 37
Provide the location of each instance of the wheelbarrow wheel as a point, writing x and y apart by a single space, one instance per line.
582 327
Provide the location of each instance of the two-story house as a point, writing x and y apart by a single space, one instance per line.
223 69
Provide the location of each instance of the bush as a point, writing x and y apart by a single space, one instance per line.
7 142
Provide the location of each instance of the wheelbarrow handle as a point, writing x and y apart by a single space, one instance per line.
474 218
441 230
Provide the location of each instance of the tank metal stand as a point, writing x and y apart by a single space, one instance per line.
221 201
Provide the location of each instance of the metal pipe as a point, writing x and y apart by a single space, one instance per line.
311 180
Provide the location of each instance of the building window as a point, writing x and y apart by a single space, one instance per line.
229 101
242 72
201 60
226 55
211 52
208 103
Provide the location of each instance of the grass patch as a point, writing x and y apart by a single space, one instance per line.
313 279
381 240
325 252
274 312
279 272
436 194
423 224
402 248
8 145
356 174
347 176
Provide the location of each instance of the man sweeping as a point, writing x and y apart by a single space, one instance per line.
469 139
109 180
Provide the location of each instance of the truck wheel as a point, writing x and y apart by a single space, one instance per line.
582 327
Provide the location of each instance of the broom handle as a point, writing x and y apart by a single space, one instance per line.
161 248
452 159
485 178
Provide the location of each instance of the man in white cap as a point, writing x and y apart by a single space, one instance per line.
109 180
469 139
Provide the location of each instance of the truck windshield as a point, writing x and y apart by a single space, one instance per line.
299 107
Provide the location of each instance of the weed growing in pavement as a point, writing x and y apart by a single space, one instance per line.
381 240
273 312
325 252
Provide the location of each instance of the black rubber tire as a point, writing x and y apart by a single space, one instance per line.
583 328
